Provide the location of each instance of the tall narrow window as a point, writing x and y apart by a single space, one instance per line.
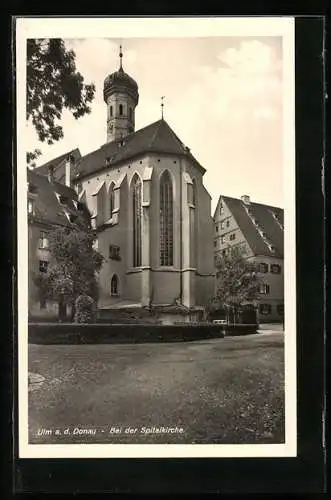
111 110
111 200
121 109
136 202
43 240
114 285
166 220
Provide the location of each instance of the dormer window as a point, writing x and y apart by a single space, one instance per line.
71 217
62 199
31 207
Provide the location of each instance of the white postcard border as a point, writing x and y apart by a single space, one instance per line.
159 27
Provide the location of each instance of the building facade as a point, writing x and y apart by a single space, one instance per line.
150 208
259 230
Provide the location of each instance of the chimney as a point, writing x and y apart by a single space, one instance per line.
245 199
50 173
69 161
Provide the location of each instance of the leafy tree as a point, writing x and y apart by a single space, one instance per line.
53 83
74 266
237 283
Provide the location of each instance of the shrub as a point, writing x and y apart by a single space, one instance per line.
84 309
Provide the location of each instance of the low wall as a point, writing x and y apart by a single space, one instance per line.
69 333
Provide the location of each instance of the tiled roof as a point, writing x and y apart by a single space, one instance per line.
48 209
59 165
157 137
266 222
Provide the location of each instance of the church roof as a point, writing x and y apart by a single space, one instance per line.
53 200
157 137
269 219
58 165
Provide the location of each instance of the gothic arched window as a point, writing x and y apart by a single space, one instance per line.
111 200
166 220
114 289
121 109
136 205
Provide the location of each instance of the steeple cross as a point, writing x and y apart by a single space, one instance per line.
162 104
121 55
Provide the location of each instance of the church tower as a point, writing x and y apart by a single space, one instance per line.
120 93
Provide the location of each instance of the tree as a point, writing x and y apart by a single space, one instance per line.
237 283
53 83
73 267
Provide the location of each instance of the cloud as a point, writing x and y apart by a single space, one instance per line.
248 77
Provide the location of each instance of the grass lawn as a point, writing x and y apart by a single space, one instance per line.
218 391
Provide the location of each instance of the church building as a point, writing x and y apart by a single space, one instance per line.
150 209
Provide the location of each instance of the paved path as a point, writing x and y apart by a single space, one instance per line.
223 391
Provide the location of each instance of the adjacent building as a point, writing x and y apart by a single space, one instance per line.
51 204
259 230
149 206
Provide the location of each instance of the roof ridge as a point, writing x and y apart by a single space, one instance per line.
252 202
59 158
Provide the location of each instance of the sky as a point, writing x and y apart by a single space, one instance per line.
223 98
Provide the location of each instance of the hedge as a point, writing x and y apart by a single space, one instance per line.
69 333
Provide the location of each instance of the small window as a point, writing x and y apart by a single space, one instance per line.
111 110
227 223
114 252
232 237
114 289
221 208
222 225
275 269
265 309
30 206
262 267
43 240
224 252
216 228
71 217
43 266
121 109
280 309
264 289
222 240
215 243
63 199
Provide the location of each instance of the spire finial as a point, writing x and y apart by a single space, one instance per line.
121 55
162 104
